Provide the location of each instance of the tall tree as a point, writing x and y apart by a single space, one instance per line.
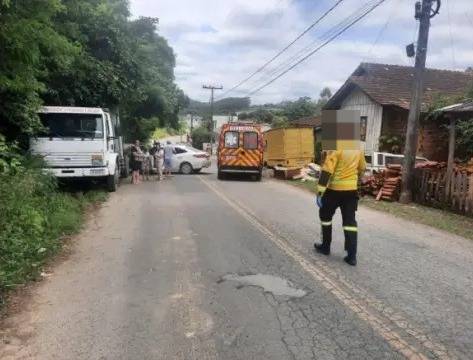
28 42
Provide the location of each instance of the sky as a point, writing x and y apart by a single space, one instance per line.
222 42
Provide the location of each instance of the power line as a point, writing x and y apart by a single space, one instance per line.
383 29
326 35
299 54
331 38
311 26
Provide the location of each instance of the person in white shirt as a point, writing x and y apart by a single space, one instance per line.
159 160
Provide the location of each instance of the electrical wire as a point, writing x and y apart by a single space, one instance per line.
382 30
325 36
330 39
261 68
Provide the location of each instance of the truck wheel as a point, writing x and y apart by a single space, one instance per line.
113 180
220 175
186 168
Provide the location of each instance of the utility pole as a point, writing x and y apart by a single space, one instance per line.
424 12
210 124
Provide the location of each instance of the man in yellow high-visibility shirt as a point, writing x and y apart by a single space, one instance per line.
338 188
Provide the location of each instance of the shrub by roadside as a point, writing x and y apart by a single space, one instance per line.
34 217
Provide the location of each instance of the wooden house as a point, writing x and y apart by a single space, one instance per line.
382 95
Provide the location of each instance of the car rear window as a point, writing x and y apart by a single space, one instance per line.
250 140
231 139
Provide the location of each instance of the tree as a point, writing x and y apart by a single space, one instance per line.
303 107
29 43
260 116
84 53
464 139
199 136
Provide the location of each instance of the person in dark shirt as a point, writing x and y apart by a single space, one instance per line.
136 162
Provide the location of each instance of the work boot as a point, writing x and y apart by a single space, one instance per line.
350 246
349 260
322 248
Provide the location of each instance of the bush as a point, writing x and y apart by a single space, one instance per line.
34 216
199 136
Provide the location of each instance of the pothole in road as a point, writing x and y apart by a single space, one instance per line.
269 283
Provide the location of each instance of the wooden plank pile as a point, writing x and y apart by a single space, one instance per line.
385 185
392 184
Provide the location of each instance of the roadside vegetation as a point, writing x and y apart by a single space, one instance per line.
70 53
437 218
35 216
85 53
283 113
163 132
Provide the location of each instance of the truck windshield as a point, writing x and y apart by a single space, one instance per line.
72 125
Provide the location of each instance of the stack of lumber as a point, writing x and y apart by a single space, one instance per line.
385 185
465 168
371 184
434 165
284 173
391 185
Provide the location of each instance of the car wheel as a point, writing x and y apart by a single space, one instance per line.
186 168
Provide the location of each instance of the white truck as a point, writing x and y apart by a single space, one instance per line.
377 161
81 142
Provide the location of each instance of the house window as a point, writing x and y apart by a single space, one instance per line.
363 121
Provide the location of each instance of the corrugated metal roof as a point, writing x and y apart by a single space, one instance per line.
458 108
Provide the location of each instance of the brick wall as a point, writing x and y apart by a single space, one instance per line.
433 137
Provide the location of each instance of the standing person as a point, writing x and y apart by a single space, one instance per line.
168 154
136 162
159 160
337 188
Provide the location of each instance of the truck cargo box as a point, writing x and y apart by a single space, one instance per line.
289 147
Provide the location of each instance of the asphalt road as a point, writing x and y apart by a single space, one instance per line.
196 268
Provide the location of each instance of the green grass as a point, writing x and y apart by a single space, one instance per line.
35 217
437 218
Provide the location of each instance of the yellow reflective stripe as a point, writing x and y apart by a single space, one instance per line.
326 223
350 228
321 188
338 181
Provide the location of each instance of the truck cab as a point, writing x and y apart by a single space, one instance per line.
80 142
377 161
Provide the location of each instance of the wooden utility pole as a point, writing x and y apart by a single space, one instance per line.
210 125
451 154
423 12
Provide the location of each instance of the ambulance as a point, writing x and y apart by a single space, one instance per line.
240 150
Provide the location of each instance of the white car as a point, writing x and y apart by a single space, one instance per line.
187 159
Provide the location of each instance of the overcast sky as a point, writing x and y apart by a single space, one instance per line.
223 41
